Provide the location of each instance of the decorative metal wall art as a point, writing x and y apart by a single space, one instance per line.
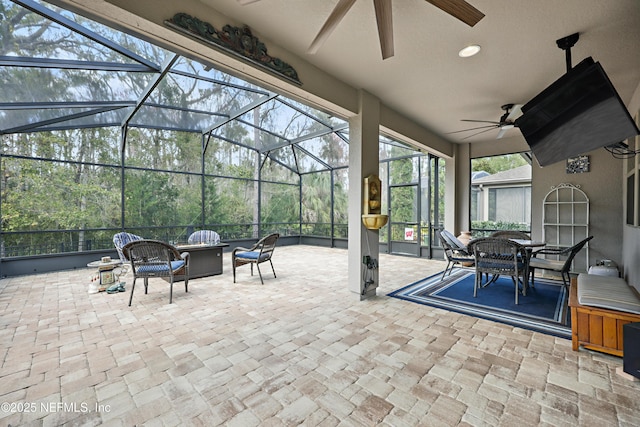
236 40
578 164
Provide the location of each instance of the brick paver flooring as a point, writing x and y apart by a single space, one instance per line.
301 349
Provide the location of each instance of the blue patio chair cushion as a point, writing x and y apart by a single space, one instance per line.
495 264
160 268
252 255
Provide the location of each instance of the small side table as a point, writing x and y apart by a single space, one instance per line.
106 275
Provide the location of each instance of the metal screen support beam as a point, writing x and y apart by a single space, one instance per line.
123 140
75 27
258 102
166 67
202 191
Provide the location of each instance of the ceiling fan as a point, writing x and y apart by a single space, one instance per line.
507 121
459 9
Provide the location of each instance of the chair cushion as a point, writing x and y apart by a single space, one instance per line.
547 264
252 255
507 265
160 268
607 292
453 240
462 257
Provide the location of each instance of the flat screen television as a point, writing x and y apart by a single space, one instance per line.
579 112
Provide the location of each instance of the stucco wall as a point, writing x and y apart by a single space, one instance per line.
603 186
631 234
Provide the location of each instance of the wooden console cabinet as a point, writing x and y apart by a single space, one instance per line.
597 328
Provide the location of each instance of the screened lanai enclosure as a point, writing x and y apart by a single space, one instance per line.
104 132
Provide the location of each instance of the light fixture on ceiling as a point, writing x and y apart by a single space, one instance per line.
469 51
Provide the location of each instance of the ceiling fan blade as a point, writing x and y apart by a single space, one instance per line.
481 121
245 2
502 133
330 24
478 133
385 26
467 130
515 112
459 9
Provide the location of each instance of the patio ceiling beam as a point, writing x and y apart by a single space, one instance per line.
74 26
35 126
72 64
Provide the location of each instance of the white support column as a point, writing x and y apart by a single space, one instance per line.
458 172
364 131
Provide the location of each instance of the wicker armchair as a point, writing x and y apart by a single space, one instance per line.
455 252
499 257
257 254
153 258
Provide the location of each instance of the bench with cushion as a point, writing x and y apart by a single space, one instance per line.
600 306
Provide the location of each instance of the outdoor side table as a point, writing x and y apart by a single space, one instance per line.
105 276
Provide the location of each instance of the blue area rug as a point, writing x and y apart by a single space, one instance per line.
544 309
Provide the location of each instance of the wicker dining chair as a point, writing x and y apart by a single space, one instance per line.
153 258
510 234
499 257
261 252
560 265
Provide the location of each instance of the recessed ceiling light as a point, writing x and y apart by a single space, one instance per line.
469 51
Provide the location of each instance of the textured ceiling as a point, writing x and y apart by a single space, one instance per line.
426 80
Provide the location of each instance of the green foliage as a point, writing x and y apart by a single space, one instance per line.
497 164
68 185
484 228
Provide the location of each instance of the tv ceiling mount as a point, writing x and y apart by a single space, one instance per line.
566 43
579 112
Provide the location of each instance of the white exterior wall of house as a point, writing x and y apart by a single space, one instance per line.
512 193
